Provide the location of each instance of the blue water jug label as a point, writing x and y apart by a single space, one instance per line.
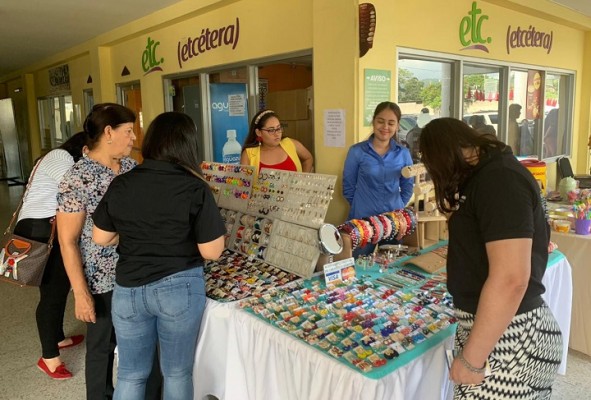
231 159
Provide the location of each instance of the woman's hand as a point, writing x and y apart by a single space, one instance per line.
84 307
460 375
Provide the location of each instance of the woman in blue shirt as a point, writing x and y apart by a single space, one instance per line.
372 182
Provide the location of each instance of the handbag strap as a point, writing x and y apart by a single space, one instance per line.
10 227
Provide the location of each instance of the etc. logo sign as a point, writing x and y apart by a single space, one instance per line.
471 30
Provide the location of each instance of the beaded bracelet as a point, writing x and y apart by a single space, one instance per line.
357 224
395 224
413 218
406 213
402 221
387 225
350 230
367 232
469 366
377 231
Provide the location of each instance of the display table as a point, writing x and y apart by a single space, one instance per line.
240 356
577 249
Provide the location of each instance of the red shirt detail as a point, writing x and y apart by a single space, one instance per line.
286 165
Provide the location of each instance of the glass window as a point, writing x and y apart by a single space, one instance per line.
424 92
556 118
56 116
524 116
529 109
480 97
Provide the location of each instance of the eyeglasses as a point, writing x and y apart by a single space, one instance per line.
273 130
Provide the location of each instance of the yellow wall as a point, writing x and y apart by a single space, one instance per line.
329 29
335 72
434 25
261 34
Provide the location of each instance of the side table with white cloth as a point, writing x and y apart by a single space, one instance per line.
241 357
577 249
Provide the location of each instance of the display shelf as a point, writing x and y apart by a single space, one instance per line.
295 202
431 225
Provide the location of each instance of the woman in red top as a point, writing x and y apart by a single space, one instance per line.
265 146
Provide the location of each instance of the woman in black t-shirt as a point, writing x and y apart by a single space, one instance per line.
168 223
497 255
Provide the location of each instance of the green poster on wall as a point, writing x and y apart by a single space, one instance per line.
376 89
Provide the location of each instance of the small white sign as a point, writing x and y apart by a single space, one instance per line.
236 105
334 128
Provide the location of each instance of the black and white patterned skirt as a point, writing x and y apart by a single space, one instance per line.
524 361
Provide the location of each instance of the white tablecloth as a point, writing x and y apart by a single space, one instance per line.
241 357
577 249
558 296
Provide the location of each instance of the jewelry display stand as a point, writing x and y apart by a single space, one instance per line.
275 218
431 225
231 184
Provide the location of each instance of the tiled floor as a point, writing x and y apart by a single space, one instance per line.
19 345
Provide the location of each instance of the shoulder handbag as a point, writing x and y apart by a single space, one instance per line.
22 260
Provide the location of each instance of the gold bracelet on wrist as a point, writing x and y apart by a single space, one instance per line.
469 366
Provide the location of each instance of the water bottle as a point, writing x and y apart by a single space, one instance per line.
232 149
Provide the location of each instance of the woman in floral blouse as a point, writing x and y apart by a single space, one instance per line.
91 267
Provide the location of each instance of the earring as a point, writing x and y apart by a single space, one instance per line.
259 140
109 141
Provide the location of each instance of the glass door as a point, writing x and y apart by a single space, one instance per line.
56 115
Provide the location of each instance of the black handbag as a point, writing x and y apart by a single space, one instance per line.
22 260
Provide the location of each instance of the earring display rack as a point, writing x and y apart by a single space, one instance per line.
291 247
231 184
298 197
295 248
274 219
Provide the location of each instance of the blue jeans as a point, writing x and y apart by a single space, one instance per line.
168 311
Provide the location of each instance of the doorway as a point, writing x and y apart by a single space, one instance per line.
130 96
248 89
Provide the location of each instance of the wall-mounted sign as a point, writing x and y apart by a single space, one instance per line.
471 30
209 39
376 89
59 79
528 38
150 62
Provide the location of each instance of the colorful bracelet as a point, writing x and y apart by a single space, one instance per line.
367 232
387 225
377 230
